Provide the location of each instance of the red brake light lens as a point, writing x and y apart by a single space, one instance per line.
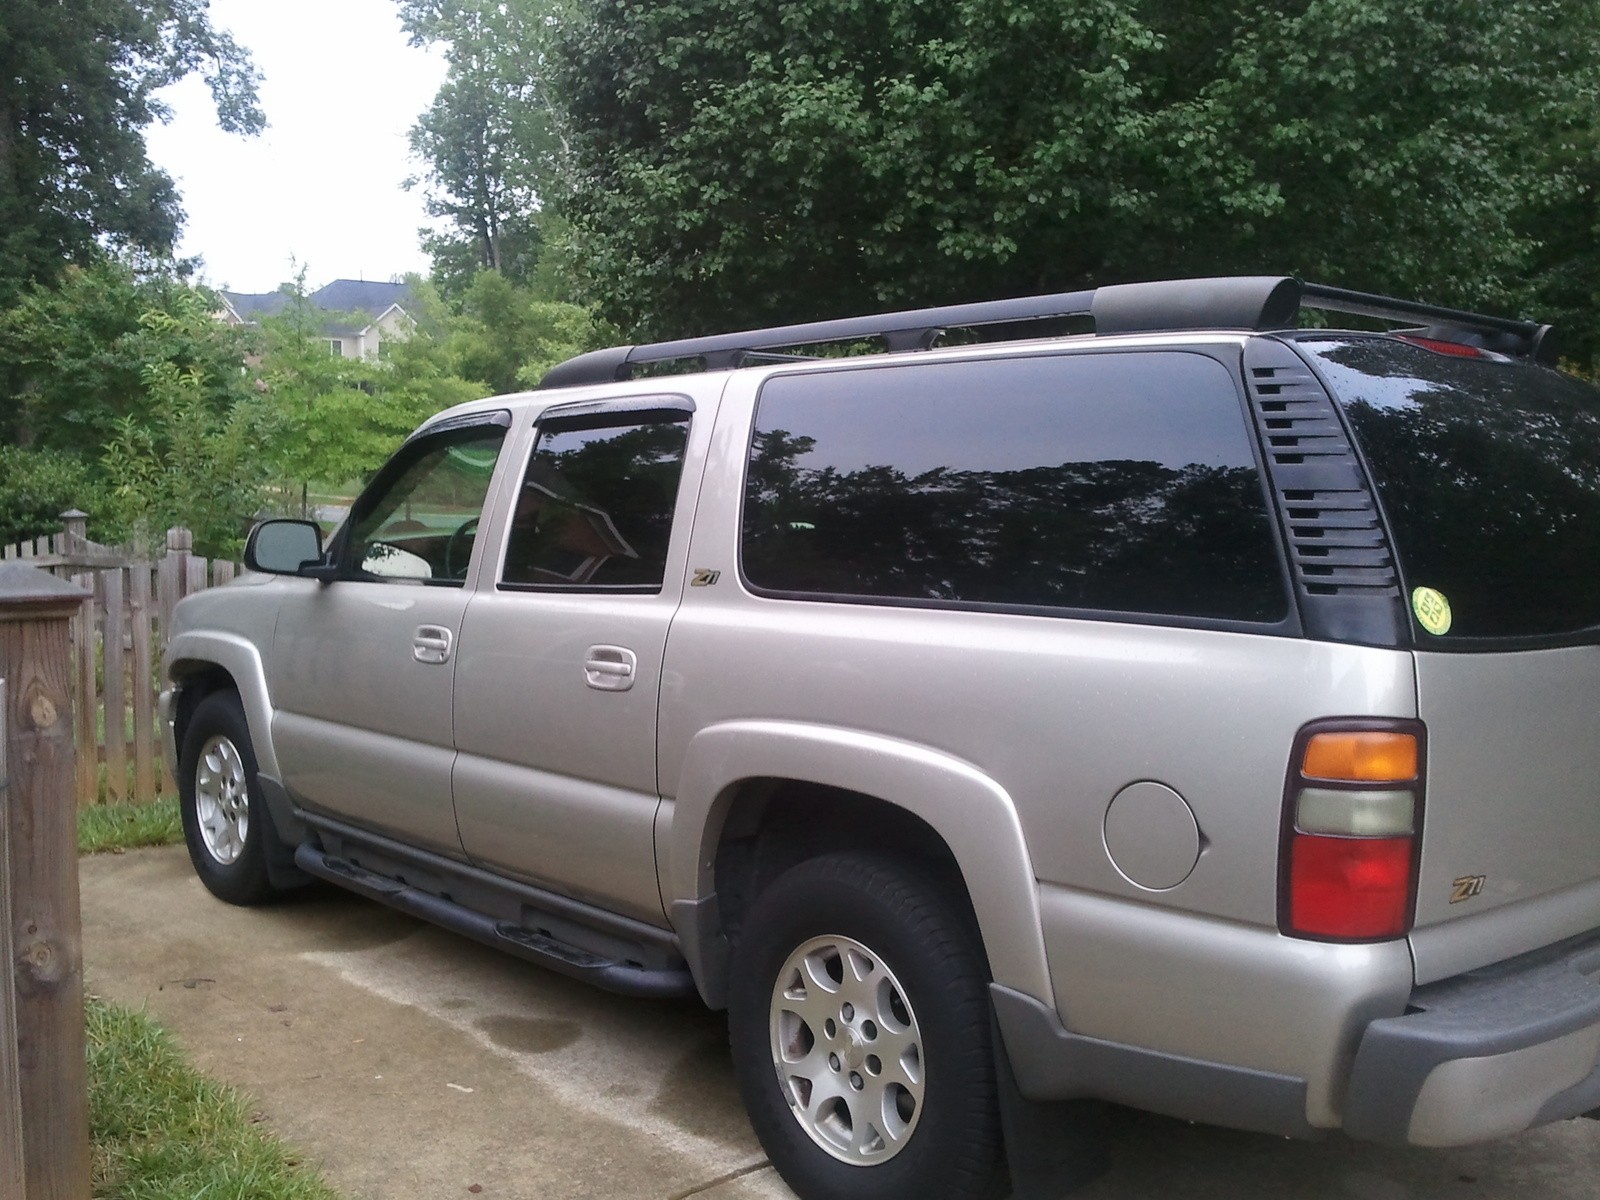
1438 346
1352 829
1350 888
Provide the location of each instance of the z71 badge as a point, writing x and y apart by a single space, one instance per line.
1466 888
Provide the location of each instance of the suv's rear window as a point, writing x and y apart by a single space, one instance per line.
1119 482
1489 473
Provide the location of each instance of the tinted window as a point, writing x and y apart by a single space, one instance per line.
1489 473
595 506
1121 482
420 520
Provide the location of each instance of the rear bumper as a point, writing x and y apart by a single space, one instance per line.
1485 1054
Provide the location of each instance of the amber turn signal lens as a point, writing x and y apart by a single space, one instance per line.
1361 757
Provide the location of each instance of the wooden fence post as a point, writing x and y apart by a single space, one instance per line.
74 531
114 668
11 1177
47 966
173 576
88 696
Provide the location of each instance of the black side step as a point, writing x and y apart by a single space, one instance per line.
624 978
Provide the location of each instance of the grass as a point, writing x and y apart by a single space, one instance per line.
160 1130
113 828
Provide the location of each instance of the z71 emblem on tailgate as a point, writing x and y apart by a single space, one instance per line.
1466 888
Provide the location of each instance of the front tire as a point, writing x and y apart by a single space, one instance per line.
859 1017
224 816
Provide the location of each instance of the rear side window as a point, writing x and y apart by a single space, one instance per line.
594 510
1489 474
1107 482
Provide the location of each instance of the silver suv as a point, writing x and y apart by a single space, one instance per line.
1197 714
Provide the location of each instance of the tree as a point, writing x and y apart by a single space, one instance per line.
738 164
333 419
1565 274
490 140
36 487
72 355
187 463
78 86
508 336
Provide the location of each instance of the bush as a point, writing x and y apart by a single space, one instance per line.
36 487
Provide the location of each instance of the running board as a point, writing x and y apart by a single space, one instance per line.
624 978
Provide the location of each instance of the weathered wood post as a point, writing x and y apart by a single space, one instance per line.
46 966
74 531
11 1180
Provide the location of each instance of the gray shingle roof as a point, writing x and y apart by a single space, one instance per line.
354 295
341 296
252 306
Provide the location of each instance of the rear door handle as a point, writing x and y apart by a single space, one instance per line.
610 668
431 644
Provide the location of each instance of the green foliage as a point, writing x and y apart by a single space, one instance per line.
36 487
737 164
160 1129
187 463
1565 274
78 85
72 354
337 418
509 338
490 141
136 403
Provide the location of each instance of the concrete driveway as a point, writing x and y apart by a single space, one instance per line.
411 1064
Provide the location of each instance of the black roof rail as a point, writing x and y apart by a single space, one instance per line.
1258 302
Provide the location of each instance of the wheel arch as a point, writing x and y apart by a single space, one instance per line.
834 788
201 663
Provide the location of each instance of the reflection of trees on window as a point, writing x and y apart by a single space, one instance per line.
1490 475
1121 535
595 506
422 526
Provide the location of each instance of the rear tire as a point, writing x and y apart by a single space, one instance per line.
860 1022
224 817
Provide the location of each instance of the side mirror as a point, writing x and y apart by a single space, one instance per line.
283 547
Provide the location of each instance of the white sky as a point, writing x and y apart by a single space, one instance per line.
322 184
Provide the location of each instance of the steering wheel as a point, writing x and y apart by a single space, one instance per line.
456 545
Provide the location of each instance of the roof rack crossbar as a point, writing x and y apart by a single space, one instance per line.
1258 302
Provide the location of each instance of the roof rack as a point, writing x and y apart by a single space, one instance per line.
1259 302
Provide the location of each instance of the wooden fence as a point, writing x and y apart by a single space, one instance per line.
117 640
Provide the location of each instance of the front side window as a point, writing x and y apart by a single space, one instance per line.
420 521
594 509
1107 482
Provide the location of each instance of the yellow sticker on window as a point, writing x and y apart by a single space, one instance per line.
1432 609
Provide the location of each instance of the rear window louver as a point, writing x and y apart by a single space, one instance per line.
1339 556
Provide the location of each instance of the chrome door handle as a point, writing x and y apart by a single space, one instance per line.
431 644
610 668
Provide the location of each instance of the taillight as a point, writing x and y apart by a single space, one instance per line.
1440 346
1351 831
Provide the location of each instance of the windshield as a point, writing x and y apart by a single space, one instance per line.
1489 475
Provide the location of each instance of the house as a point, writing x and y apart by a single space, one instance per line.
361 316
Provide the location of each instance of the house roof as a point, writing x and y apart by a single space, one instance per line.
350 298
359 296
252 306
